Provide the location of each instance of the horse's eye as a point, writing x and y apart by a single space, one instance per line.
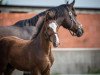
70 13
48 28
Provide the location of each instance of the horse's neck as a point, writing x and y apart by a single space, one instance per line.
45 42
42 43
59 20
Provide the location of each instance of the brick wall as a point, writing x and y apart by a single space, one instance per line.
91 24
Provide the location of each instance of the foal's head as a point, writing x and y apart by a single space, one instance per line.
51 33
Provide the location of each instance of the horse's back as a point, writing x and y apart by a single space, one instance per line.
25 32
12 39
8 31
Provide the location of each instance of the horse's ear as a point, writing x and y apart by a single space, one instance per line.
67 2
72 4
47 15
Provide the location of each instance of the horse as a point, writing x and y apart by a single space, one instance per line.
64 15
30 55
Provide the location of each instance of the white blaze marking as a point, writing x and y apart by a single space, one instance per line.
57 39
53 26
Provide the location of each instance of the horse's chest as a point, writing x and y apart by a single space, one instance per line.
44 62
43 59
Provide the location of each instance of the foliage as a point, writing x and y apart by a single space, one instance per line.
93 71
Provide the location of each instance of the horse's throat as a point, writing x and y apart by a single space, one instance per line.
46 44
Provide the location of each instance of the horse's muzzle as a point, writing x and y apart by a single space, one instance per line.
79 32
56 44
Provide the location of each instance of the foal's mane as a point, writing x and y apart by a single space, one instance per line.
56 12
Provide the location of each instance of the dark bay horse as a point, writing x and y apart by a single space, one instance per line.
30 55
64 15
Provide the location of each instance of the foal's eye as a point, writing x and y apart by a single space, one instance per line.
48 28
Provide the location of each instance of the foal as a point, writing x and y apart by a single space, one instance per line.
30 55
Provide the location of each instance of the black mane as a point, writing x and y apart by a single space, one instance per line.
58 11
30 22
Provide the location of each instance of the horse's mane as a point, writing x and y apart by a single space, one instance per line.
58 12
30 22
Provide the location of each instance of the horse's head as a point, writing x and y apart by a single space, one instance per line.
51 33
70 22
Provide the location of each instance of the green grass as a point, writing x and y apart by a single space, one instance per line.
93 71
55 74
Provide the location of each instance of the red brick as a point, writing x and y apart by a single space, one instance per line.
91 24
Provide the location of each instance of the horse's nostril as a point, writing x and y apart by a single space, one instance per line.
56 44
79 32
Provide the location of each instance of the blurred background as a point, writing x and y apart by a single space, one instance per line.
75 55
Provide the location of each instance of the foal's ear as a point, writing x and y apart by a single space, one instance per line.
49 15
72 4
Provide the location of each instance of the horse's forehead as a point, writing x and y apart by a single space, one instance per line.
53 25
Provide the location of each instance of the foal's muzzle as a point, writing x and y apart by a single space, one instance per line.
56 44
55 40
79 32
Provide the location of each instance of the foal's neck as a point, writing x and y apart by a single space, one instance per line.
41 42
